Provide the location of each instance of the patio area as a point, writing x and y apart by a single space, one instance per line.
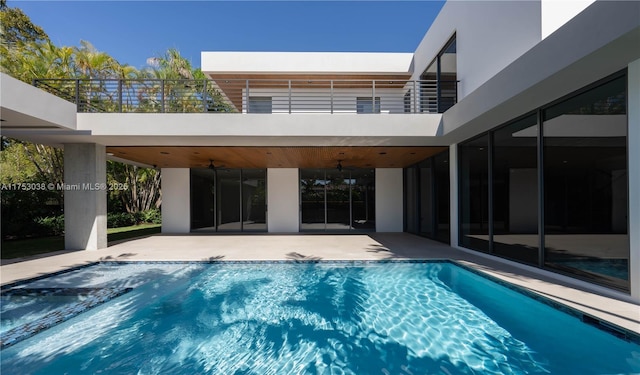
596 301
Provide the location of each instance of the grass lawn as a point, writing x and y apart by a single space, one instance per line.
33 246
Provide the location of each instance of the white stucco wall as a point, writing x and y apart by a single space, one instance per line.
489 34
283 200
556 13
305 62
23 105
176 205
634 175
389 204
593 45
165 128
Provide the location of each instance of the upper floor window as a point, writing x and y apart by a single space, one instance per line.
260 104
439 82
365 105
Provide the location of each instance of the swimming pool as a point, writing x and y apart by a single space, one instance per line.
316 317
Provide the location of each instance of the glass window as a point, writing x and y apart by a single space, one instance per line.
441 196
312 186
515 190
411 199
585 185
254 203
260 104
202 199
337 200
426 209
439 86
426 198
474 193
365 105
228 200
363 199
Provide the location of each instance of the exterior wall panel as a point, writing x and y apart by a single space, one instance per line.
282 200
490 35
176 215
389 188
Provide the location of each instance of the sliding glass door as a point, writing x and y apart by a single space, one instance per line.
228 200
333 200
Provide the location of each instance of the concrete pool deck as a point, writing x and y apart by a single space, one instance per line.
596 301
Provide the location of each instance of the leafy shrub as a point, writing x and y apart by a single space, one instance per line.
20 210
51 225
120 219
152 216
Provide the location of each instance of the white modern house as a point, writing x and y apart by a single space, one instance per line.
513 130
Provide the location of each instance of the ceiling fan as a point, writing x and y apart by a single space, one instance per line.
213 166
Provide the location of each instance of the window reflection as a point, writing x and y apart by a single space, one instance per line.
474 193
426 187
228 200
337 200
515 190
585 184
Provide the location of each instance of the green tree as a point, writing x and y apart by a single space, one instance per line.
17 28
93 64
142 191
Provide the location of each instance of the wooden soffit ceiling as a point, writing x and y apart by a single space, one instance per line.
275 157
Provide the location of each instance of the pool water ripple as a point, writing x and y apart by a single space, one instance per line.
405 318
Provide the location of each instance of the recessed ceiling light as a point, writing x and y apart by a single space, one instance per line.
164 153
110 153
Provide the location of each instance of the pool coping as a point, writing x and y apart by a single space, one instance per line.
58 316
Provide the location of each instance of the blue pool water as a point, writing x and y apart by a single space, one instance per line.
315 318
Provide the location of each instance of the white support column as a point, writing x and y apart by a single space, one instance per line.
283 201
453 194
85 196
176 202
389 203
633 142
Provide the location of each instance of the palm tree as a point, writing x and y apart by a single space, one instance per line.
93 64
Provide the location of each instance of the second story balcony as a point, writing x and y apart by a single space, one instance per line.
246 96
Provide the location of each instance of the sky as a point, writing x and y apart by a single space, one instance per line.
133 31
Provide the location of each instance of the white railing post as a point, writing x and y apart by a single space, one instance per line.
246 93
331 96
373 96
289 96
415 98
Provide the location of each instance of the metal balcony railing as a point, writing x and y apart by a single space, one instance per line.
254 96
